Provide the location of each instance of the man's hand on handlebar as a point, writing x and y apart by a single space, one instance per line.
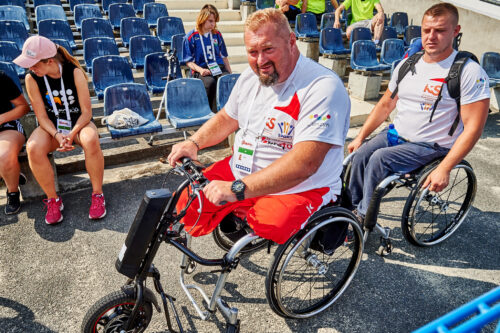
219 192
183 149
354 145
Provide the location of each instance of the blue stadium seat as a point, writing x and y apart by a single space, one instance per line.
225 85
187 103
412 32
118 11
328 9
141 46
399 21
263 4
364 57
167 27
139 4
49 12
96 27
8 52
20 3
392 49
153 11
178 46
97 47
416 40
330 42
84 11
107 3
37 3
135 97
327 20
387 32
305 26
13 31
14 13
9 69
360 34
56 29
64 43
490 61
393 65
110 70
155 68
133 26
73 3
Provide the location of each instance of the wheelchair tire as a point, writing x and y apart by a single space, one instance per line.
302 282
428 217
226 243
110 313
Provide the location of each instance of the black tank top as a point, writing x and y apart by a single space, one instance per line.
71 94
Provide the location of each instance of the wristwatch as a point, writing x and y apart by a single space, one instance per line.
238 188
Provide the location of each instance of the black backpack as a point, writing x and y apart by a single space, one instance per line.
452 80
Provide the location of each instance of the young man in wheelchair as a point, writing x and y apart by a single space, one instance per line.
293 116
429 122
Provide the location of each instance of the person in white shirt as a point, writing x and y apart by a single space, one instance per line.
428 137
293 116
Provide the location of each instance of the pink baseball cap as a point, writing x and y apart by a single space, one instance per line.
36 48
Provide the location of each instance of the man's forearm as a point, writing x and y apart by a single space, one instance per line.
215 130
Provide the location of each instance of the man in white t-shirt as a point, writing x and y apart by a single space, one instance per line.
429 138
293 116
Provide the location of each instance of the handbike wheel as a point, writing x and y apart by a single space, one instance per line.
301 281
429 217
110 314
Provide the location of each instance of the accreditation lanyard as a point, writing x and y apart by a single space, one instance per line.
63 126
212 66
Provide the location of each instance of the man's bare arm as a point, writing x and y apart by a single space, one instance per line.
474 117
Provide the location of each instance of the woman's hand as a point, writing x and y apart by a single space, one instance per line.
65 143
205 72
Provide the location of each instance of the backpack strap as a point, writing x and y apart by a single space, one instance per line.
408 65
453 83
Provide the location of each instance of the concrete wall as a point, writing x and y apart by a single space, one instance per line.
480 21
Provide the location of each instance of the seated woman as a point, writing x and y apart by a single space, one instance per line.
13 106
205 52
59 94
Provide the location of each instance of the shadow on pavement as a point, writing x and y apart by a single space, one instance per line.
20 318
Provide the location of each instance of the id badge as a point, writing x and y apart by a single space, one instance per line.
63 126
243 157
214 68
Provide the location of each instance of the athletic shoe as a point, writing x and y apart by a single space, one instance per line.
13 203
54 208
98 207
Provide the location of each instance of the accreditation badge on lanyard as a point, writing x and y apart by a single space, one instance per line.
243 157
213 66
63 125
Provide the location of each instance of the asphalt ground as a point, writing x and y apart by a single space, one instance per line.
51 275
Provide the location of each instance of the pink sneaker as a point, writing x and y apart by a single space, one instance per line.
54 208
98 207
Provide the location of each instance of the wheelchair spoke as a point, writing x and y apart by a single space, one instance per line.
453 185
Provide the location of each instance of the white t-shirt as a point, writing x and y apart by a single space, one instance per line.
311 105
417 94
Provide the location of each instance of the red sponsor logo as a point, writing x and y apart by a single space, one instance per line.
291 109
270 123
431 89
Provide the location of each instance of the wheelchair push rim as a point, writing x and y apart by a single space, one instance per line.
327 282
431 217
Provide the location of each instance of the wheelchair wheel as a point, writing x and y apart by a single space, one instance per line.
429 217
302 280
226 241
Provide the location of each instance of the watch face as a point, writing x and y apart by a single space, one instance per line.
239 186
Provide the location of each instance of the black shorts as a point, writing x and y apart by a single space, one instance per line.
12 125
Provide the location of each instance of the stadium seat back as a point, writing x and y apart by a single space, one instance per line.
331 42
20 3
56 29
83 12
263 4
110 70
13 31
399 20
14 13
388 32
96 47
167 26
119 11
225 85
364 57
156 68
64 43
392 49
178 46
412 32
96 27
153 11
327 20
73 3
10 70
305 25
37 3
139 5
141 46
360 34
133 26
49 12
107 3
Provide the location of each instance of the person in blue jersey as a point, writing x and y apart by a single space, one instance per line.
205 52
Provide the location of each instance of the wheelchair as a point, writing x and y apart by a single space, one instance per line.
428 217
307 274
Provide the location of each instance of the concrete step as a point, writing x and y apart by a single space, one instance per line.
234 39
224 27
188 15
238 67
193 4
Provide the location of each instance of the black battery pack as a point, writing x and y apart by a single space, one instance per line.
141 231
